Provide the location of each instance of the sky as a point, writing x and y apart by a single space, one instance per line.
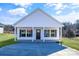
10 13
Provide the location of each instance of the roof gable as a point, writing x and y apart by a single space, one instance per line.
38 18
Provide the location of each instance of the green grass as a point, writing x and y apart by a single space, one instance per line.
6 39
71 42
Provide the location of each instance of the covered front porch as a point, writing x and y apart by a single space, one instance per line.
38 33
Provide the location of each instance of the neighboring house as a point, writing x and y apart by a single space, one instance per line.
38 26
1 28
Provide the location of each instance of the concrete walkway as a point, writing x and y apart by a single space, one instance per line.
66 52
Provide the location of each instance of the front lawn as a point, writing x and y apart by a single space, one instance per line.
6 39
71 42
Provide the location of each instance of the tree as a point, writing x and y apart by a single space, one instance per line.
70 33
77 24
67 26
8 29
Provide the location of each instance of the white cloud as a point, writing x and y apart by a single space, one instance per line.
58 12
75 5
8 20
24 5
61 6
58 6
72 17
49 5
18 11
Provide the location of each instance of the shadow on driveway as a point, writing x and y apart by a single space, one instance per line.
31 49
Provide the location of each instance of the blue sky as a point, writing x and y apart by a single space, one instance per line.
63 12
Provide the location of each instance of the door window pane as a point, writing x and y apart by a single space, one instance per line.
22 33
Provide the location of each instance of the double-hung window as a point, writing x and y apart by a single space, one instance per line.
46 33
50 33
22 33
29 33
26 33
53 33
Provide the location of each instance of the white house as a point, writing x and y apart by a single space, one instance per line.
38 25
1 28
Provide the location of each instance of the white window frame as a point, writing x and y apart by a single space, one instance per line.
50 32
55 33
27 32
20 34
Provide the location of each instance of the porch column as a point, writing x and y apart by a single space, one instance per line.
15 33
33 34
60 32
42 34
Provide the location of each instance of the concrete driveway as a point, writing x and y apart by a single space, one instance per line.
31 49
66 52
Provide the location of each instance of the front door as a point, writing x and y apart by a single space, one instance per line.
38 34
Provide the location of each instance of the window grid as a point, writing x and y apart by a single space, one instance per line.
22 33
29 32
50 33
53 33
46 33
26 33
